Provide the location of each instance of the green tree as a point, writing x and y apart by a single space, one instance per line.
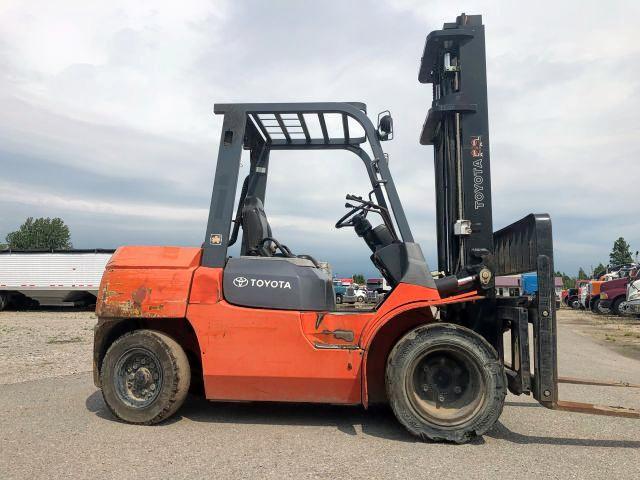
359 279
41 234
620 253
599 270
581 274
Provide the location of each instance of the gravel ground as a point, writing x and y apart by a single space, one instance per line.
621 334
56 425
42 344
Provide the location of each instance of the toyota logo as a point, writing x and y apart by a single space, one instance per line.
240 282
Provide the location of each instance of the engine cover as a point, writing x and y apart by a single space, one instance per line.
277 282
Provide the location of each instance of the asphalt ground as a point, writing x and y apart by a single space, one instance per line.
59 427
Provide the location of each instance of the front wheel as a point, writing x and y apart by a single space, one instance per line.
595 306
445 382
620 306
145 377
338 299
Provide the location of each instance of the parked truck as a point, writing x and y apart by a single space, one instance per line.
594 300
339 290
51 278
613 294
576 294
633 293
379 285
348 293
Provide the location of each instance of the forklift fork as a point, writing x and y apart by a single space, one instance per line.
526 246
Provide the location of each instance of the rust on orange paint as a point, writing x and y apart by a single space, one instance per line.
160 289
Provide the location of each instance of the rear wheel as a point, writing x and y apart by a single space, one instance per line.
145 377
445 382
4 301
360 299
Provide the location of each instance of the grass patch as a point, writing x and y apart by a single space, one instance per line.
6 329
56 340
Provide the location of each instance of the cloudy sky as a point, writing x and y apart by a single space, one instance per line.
107 122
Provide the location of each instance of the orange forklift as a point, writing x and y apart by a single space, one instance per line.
264 326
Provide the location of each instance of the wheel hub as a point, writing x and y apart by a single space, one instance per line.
445 386
625 308
138 377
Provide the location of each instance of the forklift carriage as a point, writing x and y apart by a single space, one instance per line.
264 325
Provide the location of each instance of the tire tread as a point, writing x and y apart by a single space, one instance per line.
417 427
180 370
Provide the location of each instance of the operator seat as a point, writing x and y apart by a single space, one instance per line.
256 228
257 232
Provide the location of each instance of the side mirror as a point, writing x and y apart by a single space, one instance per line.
385 126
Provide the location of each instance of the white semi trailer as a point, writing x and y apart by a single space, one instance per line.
51 278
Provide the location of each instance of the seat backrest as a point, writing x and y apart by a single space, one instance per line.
255 227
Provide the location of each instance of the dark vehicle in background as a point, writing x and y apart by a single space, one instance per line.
379 285
339 290
377 288
571 297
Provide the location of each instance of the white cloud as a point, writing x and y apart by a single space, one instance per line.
124 92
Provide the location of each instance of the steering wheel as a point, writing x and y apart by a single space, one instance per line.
347 219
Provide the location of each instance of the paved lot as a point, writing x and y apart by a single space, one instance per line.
58 427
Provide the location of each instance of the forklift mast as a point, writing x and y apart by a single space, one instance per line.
458 128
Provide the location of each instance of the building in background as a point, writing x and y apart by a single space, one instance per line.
508 286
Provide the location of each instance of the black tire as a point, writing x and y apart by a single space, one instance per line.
478 399
4 301
360 299
595 306
145 377
616 306
338 299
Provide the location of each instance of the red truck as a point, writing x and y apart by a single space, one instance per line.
613 294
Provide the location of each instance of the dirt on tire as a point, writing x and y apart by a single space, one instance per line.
176 377
443 335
